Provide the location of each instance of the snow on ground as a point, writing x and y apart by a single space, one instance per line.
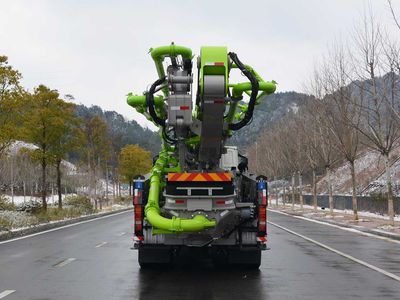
365 214
370 174
51 199
18 145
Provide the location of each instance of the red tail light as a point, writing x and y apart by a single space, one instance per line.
262 220
138 220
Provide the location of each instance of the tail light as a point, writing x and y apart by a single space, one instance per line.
262 220
138 215
138 220
262 208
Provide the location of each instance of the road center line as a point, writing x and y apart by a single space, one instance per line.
62 227
353 230
101 244
372 267
6 293
121 234
64 262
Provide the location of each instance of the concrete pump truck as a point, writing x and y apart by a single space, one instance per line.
199 194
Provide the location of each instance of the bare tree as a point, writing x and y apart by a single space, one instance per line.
342 113
324 147
396 21
378 93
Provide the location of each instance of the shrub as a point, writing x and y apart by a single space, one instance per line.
30 206
56 214
123 200
15 219
5 204
82 203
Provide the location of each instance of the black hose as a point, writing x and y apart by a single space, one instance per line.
253 97
150 102
168 139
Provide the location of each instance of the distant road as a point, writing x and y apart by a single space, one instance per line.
93 260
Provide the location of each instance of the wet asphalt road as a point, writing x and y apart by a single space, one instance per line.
94 261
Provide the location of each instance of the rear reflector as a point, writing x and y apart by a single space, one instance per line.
186 177
262 220
138 220
179 201
223 202
182 107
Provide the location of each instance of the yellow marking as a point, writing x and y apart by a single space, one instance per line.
199 177
184 176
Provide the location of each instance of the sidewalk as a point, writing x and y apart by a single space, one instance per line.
367 222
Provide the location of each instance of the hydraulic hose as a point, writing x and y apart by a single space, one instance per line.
152 209
253 97
150 102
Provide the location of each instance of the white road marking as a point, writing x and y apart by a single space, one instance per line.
101 244
338 227
372 267
62 227
121 234
64 262
6 293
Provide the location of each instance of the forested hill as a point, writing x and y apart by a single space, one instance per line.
121 131
272 109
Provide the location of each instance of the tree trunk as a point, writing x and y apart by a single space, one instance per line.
293 191
328 172
106 183
52 193
301 190
314 189
276 193
353 190
130 188
389 189
284 197
12 178
24 188
114 186
44 191
58 166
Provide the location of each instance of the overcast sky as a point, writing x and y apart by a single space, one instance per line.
97 50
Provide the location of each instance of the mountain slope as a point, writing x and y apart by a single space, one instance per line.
122 131
272 109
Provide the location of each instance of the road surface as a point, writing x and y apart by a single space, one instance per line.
94 260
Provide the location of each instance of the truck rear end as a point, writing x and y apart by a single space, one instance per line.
235 201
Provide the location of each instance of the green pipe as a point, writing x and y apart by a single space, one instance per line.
250 68
152 209
172 50
239 88
140 100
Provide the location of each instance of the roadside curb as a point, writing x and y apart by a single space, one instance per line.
46 226
377 232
